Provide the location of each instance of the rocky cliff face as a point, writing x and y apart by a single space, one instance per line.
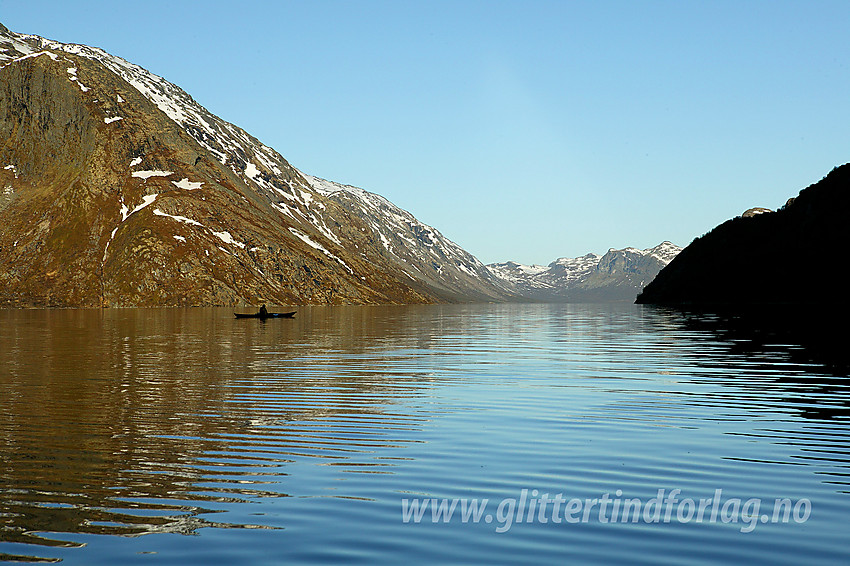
781 257
616 276
118 189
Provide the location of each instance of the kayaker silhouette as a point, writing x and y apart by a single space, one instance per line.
264 311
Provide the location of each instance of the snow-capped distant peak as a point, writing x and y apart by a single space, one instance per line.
618 272
665 251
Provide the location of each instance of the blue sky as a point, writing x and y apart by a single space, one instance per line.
521 130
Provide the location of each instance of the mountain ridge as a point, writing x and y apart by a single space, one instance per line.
139 171
770 257
616 276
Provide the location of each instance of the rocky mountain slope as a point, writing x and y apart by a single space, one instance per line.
789 256
616 276
118 189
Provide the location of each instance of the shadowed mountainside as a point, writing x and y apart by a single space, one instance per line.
791 256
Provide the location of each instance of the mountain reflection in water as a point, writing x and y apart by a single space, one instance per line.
296 439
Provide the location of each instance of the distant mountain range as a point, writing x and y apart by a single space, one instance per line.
788 256
618 275
118 189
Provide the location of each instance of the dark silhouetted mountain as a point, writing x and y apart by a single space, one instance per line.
792 255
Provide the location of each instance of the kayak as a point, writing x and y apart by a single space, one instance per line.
267 315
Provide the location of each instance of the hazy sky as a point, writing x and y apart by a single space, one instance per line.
521 130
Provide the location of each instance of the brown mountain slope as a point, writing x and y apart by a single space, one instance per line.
65 240
117 189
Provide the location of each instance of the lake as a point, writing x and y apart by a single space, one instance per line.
493 434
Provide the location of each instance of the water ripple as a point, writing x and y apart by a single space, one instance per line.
297 440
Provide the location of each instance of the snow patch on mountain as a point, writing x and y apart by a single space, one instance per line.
72 72
665 251
251 171
183 219
125 214
151 173
306 239
228 239
146 201
186 184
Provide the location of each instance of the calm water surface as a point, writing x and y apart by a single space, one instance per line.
188 437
